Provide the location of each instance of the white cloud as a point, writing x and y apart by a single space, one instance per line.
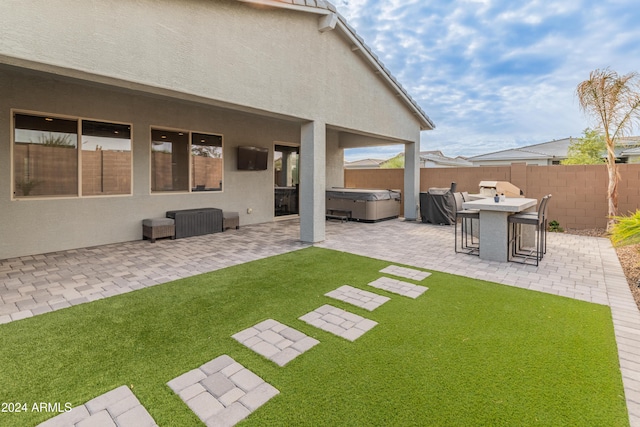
495 74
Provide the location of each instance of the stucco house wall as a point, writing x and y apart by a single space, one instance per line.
257 76
224 52
44 224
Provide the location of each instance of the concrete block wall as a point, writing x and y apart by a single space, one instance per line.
467 179
579 192
388 179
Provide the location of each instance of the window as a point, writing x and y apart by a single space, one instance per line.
169 160
185 161
46 158
206 158
106 158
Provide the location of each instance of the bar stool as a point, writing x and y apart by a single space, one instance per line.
465 215
539 220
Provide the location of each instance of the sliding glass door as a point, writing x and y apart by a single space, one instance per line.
286 179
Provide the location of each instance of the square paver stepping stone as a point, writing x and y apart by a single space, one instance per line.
399 287
222 392
118 407
358 297
407 273
275 341
339 322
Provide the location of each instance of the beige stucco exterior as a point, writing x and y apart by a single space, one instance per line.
254 75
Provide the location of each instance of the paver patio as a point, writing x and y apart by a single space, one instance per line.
222 392
339 322
358 297
399 287
580 267
407 273
118 407
275 341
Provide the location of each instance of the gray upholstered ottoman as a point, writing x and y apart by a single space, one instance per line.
230 220
156 228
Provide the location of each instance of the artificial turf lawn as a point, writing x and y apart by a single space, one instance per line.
466 352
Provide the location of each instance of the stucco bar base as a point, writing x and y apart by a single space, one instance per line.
494 236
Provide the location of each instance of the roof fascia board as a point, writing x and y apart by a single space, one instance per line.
291 6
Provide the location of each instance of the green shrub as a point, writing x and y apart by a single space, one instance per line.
626 230
554 226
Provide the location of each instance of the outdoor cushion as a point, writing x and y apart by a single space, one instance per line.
157 222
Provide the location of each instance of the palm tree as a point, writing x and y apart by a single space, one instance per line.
614 101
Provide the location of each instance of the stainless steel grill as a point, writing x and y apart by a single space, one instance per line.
491 188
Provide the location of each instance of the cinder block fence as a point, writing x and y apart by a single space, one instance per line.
579 191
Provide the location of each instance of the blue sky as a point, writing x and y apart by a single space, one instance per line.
495 74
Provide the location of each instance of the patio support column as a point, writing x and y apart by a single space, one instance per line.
411 180
312 181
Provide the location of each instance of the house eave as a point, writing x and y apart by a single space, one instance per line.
300 5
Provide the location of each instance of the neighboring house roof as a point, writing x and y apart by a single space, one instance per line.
554 150
546 150
364 164
434 156
628 146
437 157
631 152
333 19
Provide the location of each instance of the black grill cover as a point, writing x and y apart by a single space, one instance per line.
437 206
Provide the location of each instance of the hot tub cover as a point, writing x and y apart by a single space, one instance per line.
363 194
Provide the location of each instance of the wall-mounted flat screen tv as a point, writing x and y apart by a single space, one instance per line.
252 158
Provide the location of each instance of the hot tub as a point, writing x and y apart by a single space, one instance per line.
361 204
